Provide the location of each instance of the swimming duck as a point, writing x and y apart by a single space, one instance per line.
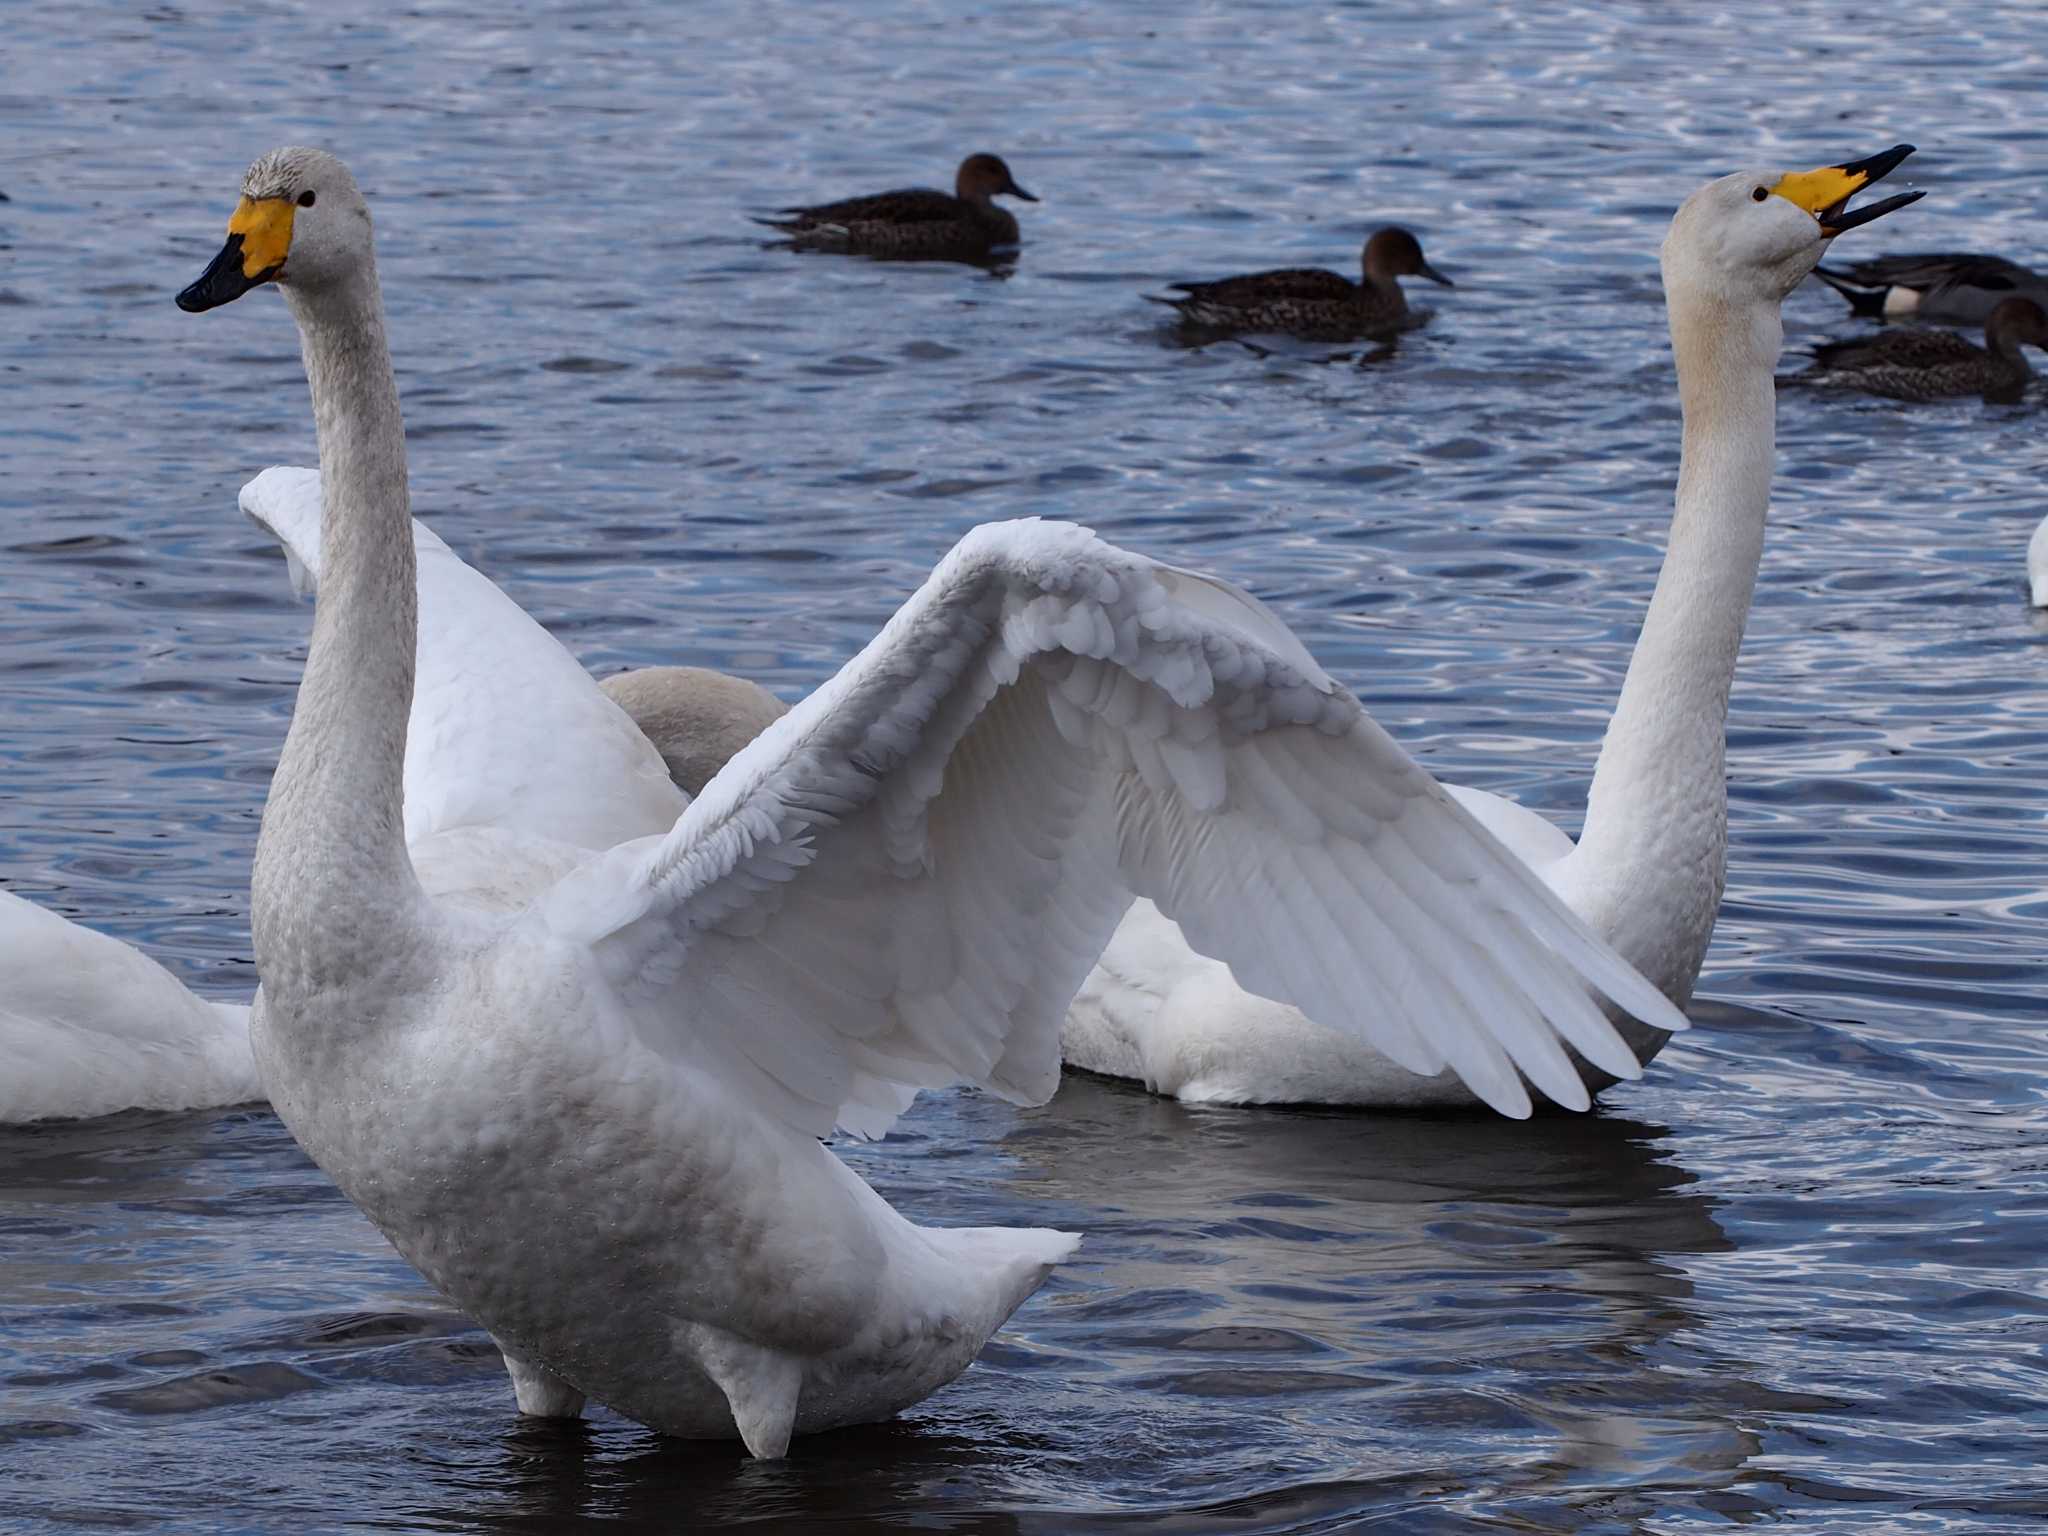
1312 303
90 1025
576 1062
1924 364
1955 287
915 223
1648 869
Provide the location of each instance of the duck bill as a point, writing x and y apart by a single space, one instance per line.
1016 191
1426 270
1825 193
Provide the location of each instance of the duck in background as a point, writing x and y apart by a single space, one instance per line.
1313 303
1919 363
1949 287
914 223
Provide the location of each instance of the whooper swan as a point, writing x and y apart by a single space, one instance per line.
1649 866
580 1084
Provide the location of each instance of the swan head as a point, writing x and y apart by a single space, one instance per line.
301 222
1752 237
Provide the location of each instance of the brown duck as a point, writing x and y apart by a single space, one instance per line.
1922 364
1310 302
915 223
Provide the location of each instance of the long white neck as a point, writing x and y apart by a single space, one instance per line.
1650 866
334 890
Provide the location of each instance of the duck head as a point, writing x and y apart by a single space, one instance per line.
1393 252
2016 323
982 177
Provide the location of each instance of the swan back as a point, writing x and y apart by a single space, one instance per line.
2037 565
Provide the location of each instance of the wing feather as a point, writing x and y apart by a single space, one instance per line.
903 881
507 730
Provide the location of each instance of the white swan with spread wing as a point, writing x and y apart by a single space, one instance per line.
580 1082
1648 869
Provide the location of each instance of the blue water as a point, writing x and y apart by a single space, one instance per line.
1792 1279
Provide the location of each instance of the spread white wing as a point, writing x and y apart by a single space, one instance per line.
903 881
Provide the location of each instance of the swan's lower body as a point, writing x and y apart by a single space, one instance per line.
627 1232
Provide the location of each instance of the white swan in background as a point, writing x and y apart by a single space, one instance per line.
580 1082
90 1025
1648 869
2037 565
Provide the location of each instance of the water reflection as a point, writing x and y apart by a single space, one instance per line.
1264 1295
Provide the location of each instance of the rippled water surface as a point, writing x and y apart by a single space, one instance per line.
1792 1279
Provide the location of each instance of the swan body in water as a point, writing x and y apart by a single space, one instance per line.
575 1062
2037 565
90 1025
1648 869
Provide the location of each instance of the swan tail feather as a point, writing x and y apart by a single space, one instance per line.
1009 1262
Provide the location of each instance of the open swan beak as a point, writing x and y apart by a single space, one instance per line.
1825 193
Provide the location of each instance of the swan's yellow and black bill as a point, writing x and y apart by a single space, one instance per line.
259 237
1825 193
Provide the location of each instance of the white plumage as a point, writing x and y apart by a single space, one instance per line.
89 1025
1648 871
1269 832
581 1086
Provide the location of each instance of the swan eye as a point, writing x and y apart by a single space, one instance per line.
306 198
1755 197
